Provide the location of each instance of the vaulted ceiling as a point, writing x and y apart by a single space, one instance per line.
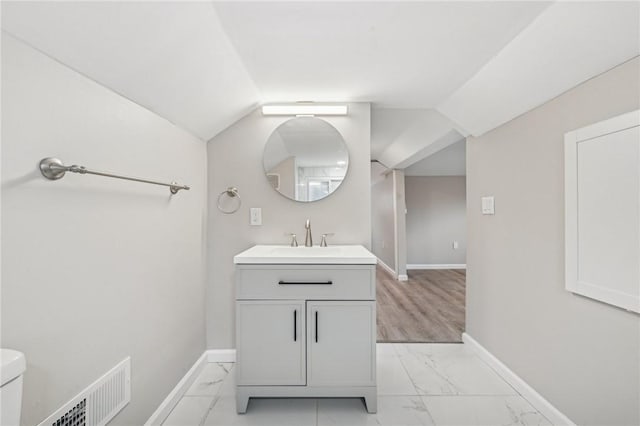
434 71
173 58
394 54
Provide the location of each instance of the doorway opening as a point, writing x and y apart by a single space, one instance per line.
419 237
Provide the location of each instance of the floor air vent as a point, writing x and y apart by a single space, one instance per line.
99 403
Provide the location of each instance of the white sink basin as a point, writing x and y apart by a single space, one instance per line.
271 254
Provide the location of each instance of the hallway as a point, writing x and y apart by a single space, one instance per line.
428 308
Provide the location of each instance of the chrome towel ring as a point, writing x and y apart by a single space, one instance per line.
231 192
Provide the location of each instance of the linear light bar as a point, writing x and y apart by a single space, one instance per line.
292 109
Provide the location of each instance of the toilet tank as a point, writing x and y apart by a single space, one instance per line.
12 367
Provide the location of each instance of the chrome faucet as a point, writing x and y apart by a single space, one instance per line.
308 240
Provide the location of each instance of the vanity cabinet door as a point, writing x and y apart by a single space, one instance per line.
270 340
341 341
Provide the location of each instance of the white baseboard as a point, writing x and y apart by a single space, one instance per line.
399 277
221 355
437 266
388 268
552 414
178 392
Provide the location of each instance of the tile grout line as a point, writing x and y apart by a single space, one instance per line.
171 412
394 354
214 398
499 375
406 371
511 386
517 394
184 398
206 414
420 397
450 395
218 395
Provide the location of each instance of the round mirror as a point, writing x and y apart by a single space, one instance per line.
305 159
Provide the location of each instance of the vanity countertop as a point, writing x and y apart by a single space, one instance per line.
316 255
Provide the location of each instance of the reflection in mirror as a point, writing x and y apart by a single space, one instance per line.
305 159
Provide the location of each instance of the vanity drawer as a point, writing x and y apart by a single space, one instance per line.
317 282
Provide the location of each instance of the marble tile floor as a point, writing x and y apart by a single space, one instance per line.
418 384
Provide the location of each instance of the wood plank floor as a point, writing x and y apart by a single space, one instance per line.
429 307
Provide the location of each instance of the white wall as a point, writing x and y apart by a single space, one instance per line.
388 218
400 208
436 217
580 354
235 159
96 269
450 161
382 215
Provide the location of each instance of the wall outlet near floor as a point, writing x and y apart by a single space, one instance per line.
256 216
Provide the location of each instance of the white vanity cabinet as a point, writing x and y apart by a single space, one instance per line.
305 330
271 330
341 343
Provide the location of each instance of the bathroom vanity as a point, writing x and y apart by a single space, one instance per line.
305 323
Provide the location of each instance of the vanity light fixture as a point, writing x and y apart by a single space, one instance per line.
304 109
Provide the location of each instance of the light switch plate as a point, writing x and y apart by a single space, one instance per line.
256 216
488 205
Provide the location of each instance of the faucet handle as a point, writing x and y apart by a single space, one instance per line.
323 242
294 240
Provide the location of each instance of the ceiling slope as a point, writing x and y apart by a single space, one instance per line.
428 133
393 54
195 63
567 44
173 58
387 124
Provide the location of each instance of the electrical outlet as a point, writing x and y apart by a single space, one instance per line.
455 245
